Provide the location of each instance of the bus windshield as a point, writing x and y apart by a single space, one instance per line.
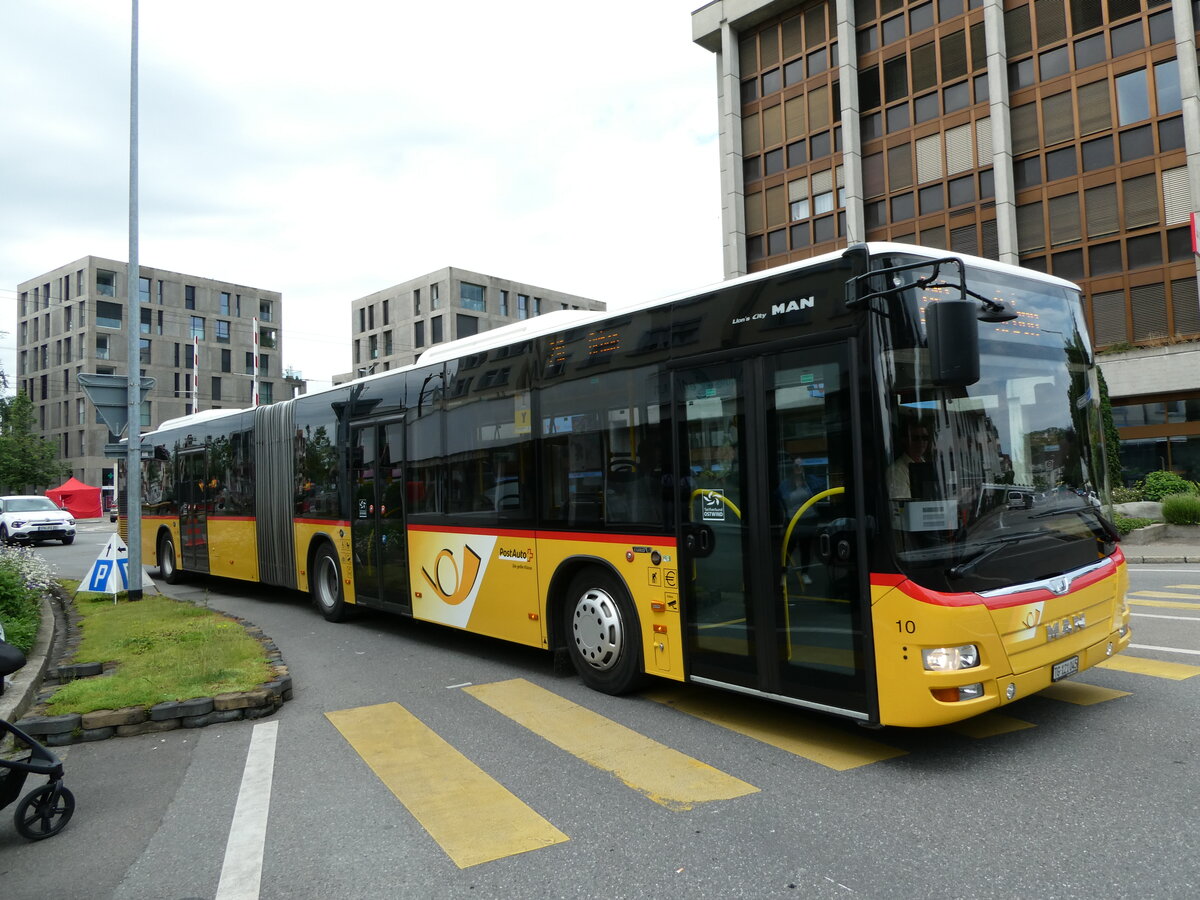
999 483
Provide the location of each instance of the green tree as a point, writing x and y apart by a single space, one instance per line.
27 460
1112 439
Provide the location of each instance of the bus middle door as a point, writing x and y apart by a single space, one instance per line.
378 524
193 512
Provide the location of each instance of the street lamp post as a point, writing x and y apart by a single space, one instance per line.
133 459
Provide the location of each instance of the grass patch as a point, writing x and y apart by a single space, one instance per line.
163 649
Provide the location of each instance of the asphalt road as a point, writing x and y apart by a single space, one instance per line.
1088 793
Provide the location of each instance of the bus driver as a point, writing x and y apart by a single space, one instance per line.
916 449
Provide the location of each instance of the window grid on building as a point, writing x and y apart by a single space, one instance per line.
1097 136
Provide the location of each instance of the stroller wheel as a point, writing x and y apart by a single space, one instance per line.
44 812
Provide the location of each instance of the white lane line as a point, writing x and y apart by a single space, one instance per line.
1175 618
1165 649
241 873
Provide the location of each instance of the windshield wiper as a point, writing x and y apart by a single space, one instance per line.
1062 510
965 567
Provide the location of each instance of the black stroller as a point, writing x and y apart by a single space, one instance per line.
45 810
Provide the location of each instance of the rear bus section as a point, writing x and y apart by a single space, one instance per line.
945 657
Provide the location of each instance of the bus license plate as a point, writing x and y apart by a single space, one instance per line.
1064 669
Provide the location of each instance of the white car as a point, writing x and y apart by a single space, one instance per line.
32 519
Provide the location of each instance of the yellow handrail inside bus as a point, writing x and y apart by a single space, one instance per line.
787 536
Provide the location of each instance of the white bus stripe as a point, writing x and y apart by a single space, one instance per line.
241 873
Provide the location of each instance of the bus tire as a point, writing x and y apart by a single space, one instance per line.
325 585
602 634
168 566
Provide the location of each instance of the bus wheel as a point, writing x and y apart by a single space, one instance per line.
166 560
602 633
325 585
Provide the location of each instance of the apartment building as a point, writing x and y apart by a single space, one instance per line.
72 320
1061 135
392 327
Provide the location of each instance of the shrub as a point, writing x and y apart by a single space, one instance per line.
1126 524
1122 494
1181 509
24 579
1162 484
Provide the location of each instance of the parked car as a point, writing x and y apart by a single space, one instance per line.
33 519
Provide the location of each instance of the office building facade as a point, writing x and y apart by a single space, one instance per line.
1061 135
72 320
392 327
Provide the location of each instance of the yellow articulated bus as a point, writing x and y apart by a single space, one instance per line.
869 484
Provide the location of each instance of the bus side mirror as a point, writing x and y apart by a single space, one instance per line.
952 333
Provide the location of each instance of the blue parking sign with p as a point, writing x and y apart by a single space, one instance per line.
101 574
109 574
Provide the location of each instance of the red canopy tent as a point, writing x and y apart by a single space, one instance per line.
79 499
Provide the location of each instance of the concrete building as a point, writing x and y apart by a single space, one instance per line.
1061 135
392 327
72 319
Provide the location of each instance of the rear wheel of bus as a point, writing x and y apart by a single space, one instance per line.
167 568
602 633
325 585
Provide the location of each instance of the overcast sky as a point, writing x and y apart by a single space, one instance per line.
330 150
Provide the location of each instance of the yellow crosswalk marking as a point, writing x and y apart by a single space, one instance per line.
472 817
666 776
1140 665
1081 694
781 727
1164 604
1167 595
1195 587
989 725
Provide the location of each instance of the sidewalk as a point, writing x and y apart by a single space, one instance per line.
1162 552
1161 543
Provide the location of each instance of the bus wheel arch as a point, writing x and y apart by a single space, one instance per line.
325 585
167 557
595 618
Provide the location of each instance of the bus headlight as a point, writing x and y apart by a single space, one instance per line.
950 659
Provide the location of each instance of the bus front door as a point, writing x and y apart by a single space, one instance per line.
194 497
377 528
774 602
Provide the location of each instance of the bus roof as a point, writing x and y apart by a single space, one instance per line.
510 333
196 417
558 320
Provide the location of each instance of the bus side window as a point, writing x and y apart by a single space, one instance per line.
600 437
487 445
